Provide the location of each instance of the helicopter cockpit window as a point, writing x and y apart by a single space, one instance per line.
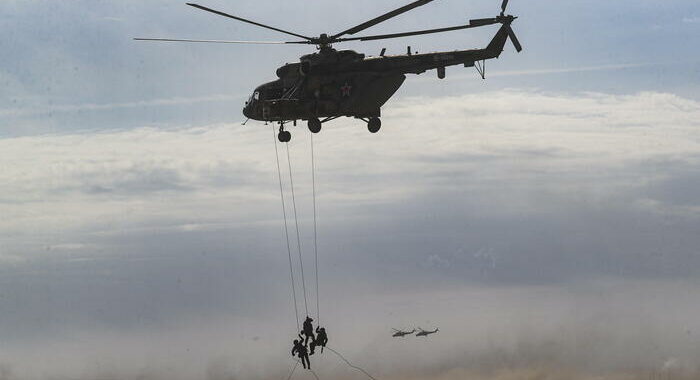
254 96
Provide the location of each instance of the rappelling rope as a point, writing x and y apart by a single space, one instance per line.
313 182
296 221
350 364
286 229
296 364
314 373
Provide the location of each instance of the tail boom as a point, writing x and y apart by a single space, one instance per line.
420 63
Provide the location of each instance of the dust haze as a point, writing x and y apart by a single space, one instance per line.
605 329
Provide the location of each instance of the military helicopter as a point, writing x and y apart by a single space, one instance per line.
426 333
401 333
330 83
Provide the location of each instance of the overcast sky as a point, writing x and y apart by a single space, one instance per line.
546 219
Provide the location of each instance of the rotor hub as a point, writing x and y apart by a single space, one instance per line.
323 41
503 19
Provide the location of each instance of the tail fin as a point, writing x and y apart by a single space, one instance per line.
498 42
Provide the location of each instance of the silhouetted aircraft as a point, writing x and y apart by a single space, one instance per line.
426 333
333 83
401 334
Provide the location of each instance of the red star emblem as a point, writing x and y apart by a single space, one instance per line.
345 89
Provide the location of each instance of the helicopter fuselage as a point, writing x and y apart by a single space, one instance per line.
332 83
321 95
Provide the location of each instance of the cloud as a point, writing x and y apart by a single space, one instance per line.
493 156
518 73
500 216
115 106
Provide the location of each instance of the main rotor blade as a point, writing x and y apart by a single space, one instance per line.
244 20
383 18
407 34
222 41
504 5
514 39
483 21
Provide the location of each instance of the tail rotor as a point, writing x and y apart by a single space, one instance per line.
504 19
514 39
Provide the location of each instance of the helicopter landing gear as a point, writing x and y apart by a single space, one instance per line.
374 124
314 125
284 136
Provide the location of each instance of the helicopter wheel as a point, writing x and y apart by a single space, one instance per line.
314 125
374 124
284 136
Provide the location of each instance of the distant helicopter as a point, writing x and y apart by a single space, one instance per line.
329 84
426 333
401 334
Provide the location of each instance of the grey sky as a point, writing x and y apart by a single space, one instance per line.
547 217
77 54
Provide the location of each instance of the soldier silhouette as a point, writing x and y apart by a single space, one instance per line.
301 351
308 330
321 339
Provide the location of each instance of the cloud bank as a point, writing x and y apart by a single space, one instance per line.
551 236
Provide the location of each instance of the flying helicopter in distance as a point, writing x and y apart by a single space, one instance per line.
331 83
426 333
401 333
